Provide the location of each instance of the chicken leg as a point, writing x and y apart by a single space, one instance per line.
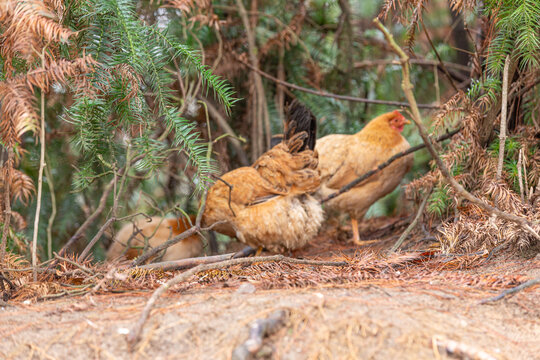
356 235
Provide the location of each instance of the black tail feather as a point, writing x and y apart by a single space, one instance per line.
300 118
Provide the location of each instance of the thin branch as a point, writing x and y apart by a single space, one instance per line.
460 190
261 109
82 267
334 96
50 182
441 63
184 264
397 156
412 224
520 174
40 184
504 106
230 186
101 206
258 330
513 290
96 238
90 220
7 202
135 332
102 230
226 128
189 232
459 350
416 61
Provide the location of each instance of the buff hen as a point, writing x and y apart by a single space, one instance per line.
343 158
130 240
269 204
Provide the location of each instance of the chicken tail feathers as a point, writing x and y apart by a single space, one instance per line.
300 119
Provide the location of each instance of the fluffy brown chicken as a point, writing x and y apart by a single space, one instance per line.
158 230
269 204
343 158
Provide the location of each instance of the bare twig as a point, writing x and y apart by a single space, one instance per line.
102 230
413 223
416 61
334 96
261 111
189 232
96 238
258 330
101 206
370 173
226 128
230 186
513 290
504 105
184 264
441 63
135 332
82 267
460 350
40 184
50 182
460 190
6 294
520 175
8 167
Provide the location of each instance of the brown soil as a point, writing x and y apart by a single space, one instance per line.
373 311
335 323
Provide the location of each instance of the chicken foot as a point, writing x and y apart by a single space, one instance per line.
356 235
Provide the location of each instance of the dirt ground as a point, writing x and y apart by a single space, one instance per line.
378 307
364 321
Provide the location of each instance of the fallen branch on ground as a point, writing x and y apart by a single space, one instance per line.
460 350
184 264
6 293
189 232
79 266
258 330
361 178
513 290
135 333
460 190
102 203
102 230
334 96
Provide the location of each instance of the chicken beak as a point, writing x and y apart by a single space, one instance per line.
406 122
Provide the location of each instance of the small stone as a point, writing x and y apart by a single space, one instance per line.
246 288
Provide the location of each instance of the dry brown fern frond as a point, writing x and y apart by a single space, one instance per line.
199 11
386 8
188 6
22 186
461 5
59 71
57 6
471 229
416 18
17 97
130 79
29 26
408 13
289 34
18 113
